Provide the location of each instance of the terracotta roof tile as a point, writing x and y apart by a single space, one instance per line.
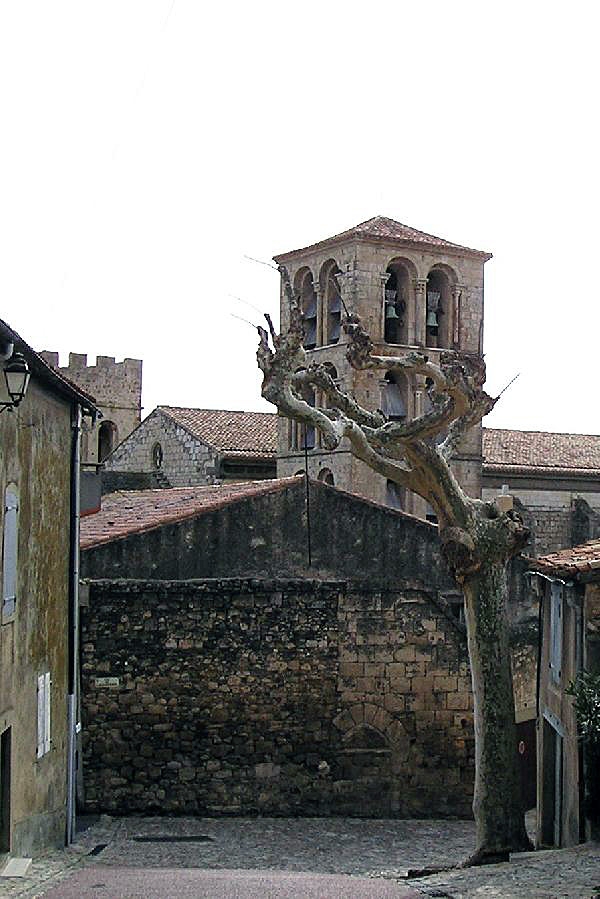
575 560
542 450
237 433
388 230
135 511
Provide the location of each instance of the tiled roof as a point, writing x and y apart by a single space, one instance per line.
540 451
576 560
236 433
135 511
387 230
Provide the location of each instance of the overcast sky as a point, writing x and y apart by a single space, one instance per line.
146 147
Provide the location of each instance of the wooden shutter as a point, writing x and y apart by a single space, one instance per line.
41 711
9 553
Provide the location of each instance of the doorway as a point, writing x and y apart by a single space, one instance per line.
5 791
551 786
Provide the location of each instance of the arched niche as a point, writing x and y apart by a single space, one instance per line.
439 307
332 301
107 439
304 288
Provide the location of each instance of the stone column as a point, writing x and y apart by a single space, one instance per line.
457 293
420 286
320 313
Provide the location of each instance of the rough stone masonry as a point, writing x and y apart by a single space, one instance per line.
274 696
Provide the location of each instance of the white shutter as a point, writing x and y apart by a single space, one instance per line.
47 712
41 711
9 553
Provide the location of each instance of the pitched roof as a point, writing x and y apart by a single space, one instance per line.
232 433
575 560
540 451
136 511
386 230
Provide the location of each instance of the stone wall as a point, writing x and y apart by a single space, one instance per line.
184 460
117 389
279 697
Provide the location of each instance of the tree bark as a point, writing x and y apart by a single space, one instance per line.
500 826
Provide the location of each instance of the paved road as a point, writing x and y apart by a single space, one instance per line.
103 882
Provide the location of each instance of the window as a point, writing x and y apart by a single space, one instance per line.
395 305
393 398
438 322
157 456
326 475
9 553
556 594
395 495
330 290
308 304
43 714
107 439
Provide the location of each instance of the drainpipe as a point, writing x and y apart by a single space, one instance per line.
73 643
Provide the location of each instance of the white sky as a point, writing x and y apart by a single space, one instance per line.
145 147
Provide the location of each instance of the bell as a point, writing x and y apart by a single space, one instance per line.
391 314
432 321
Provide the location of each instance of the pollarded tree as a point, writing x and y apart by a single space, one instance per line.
477 538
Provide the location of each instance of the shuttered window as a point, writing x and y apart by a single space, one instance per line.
43 714
556 629
9 553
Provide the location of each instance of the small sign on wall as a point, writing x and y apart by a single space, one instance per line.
107 681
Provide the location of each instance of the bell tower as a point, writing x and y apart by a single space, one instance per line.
412 291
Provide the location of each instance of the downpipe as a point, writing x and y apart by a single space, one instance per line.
73 643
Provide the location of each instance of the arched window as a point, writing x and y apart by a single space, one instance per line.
308 304
107 439
157 456
332 302
300 434
395 495
394 396
326 475
438 324
396 304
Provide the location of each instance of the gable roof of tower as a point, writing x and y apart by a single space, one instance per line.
385 230
542 452
232 433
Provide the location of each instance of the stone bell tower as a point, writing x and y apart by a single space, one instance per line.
412 291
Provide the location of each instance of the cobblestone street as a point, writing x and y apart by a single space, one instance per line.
374 849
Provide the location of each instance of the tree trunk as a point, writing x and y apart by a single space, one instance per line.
498 814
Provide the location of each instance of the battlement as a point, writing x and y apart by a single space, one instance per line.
78 362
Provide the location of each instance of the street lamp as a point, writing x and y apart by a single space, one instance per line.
16 375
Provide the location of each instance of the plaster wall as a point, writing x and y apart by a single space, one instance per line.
35 444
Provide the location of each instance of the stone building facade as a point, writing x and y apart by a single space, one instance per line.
412 291
117 389
38 484
555 478
250 649
184 447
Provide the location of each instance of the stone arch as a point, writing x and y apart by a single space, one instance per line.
439 311
107 439
332 301
399 300
326 476
304 287
378 718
